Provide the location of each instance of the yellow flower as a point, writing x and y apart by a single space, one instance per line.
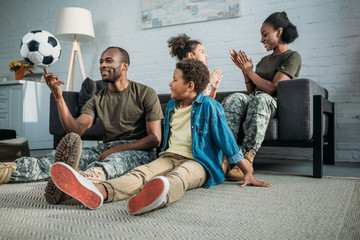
15 65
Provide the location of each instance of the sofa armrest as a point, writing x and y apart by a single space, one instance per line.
72 101
295 108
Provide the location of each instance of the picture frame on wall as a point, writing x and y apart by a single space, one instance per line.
161 13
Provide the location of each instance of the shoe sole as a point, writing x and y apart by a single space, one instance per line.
151 197
68 151
234 179
53 195
72 183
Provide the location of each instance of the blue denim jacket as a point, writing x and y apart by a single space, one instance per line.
210 134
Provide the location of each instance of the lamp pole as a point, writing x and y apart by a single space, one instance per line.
71 71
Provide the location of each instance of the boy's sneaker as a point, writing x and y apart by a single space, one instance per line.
152 196
72 183
68 151
6 169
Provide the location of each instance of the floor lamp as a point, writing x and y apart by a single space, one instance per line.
75 25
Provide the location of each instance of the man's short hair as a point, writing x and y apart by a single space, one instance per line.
195 71
124 56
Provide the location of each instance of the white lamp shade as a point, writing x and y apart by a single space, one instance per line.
74 23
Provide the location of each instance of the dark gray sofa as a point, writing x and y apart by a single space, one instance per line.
305 118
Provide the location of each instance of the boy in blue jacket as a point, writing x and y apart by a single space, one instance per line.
195 136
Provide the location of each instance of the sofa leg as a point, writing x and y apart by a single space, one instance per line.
318 160
318 148
329 149
56 141
329 154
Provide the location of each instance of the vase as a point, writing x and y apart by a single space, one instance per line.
19 74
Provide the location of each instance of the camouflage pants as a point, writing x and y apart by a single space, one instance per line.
114 165
256 109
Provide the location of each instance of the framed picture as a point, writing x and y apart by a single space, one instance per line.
160 13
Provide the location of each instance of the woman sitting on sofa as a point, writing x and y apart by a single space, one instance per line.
260 104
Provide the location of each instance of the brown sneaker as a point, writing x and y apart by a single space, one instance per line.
67 151
225 165
6 169
94 174
235 174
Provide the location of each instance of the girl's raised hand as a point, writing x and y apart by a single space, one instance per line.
215 78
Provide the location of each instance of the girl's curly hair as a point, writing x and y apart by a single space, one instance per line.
181 45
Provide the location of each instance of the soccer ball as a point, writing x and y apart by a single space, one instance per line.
40 48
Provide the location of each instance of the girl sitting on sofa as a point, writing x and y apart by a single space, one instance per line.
183 47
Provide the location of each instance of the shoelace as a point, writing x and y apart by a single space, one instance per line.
90 173
5 164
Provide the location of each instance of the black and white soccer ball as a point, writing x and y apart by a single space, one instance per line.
40 48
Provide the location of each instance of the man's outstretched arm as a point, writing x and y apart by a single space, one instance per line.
82 123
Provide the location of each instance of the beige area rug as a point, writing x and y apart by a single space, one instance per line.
295 207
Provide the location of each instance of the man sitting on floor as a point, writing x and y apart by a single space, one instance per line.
130 113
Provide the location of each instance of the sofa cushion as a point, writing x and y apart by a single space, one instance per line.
71 100
272 132
7 134
95 132
88 89
221 95
164 99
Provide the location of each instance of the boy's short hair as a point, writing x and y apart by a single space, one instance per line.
195 71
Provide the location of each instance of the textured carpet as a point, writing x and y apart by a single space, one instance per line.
295 207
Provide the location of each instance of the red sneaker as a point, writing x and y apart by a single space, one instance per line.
152 196
72 183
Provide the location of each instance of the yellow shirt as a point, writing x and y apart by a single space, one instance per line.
180 132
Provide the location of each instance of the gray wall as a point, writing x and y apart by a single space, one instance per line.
329 44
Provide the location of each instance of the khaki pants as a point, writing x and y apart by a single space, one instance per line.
183 174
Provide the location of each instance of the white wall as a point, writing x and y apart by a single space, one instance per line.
329 44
